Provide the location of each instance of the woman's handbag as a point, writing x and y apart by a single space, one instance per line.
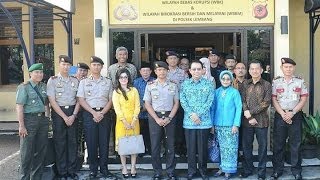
213 148
128 145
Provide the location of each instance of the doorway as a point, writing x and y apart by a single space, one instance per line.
150 44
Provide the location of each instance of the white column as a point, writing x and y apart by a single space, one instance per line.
281 41
101 44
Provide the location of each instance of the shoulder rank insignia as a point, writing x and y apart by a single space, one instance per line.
150 82
298 77
277 77
53 77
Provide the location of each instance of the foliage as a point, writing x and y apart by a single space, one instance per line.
311 129
258 46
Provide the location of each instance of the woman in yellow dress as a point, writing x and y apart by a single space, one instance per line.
126 104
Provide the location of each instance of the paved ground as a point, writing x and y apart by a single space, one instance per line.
9 162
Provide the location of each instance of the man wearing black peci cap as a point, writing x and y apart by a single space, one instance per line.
141 83
230 63
215 68
94 95
289 95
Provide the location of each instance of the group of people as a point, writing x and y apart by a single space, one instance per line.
180 107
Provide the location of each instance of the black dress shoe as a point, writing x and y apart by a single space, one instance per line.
61 177
204 176
275 175
93 175
190 176
73 176
297 176
107 174
157 177
172 177
244 175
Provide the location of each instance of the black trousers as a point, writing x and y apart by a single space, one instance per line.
180 138
247 141
65 142
156 133
33 147
97 137
197 142
280 133
144 129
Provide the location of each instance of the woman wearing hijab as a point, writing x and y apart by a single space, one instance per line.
227 111
206 70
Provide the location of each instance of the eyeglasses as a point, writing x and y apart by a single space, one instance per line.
196 69
123 77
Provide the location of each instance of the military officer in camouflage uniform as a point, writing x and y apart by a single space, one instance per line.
177 75
95 93
162 102
32 103
289 95
62 90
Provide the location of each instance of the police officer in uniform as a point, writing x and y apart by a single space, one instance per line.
95 93
162 102
62 90
32 103
177 76
289 95
82 73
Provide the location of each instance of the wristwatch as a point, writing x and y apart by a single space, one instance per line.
170 118
293 111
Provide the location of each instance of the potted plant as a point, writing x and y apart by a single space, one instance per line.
311 136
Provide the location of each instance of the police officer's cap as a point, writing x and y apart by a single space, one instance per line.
230 56
64 58
95 59
171 53
159 64
83 66
214 51
37 66
145 65
287 60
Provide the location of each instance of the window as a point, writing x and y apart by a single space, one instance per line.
11 53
